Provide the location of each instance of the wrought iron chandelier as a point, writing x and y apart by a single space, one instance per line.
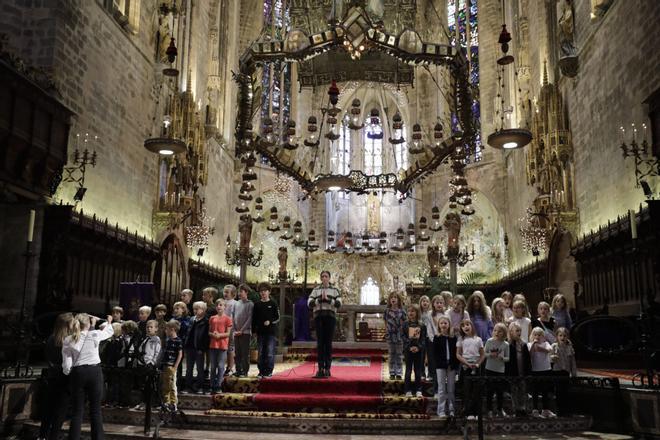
278 140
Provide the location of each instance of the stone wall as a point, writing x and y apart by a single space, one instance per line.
619 65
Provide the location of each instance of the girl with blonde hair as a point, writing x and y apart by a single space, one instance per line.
57 383
81 362
498 308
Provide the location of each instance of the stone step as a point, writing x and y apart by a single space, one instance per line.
124 424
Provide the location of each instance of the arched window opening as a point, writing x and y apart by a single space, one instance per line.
373 150
369 293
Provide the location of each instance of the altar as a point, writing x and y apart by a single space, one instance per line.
367 330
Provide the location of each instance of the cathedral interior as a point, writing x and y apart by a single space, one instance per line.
408 146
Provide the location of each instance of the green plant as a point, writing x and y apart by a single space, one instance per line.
474 277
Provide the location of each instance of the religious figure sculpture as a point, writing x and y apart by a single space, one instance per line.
453 226
568 60
433 257
282 256
245 232
376 10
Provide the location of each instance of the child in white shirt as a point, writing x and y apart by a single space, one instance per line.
539 353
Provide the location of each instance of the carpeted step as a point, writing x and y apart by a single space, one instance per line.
328 402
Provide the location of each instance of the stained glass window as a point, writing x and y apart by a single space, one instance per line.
373 150
276 80
465 13
400 152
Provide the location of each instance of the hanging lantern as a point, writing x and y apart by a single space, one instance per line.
399 240
171 53
354 122
259 208
273 226
397 127
242 207
248 174
374 132
331 248
503 40
382 243
348 243
366 242
312 135
437 134
248 136
286 226
290 136
435 220
333 93
358 246
467 210
245 196
416 146
269 137
411 235
297 231
452 202
312 245
247 187
423 230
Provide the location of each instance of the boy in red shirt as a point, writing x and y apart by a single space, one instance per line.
219 326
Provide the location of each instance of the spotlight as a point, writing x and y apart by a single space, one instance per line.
80 193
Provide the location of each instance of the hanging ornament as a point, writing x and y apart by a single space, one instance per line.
286 226
258 208
348 243
249 174
423 229
312 135
242 207
331 248
411 235
435 220
290 136
354 122
397 127
269 137
273 226
382 243
374 132
437 135
416 146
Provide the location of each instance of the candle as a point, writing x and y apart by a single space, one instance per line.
31 226
633 224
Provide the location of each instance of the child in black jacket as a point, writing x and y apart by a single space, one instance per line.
195 346
519 365
414 337
446 364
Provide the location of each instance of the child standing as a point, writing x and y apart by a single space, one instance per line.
117 314
196 345
414 337
172 355
518 366
144 313
180 315
446 363
150 346
497 354
437 310
160 311
560 312
243 330
427 322
545 321
539 352
470 353
265 317
394 317
519 310
508 302
229 293
458 314
480 315
219 327
563 364
497 310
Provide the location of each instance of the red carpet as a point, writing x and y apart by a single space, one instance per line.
355 384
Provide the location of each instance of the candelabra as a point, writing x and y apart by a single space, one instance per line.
287 278
462 257
645 164
237 255
76 172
